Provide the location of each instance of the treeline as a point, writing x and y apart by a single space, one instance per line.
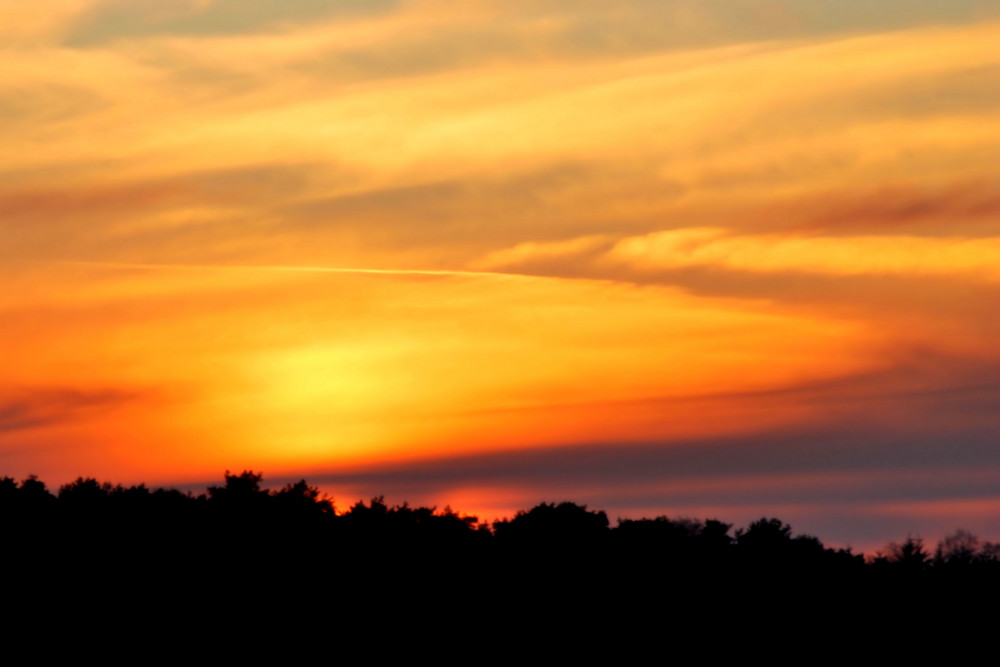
287 561
88 512
241 563
252 562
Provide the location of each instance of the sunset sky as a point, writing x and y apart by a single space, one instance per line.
725 258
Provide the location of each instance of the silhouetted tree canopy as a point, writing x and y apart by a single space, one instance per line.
93 533
550 523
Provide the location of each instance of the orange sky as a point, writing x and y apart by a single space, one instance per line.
449 252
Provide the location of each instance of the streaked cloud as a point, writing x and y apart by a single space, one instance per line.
129 19
321 235
972 259
40 407
531 252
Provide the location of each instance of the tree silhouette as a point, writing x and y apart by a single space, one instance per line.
551 523
238 488
94 538
906 557
302 499
960 549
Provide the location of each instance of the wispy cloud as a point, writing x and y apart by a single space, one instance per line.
47 406
130 19
972 259
341 233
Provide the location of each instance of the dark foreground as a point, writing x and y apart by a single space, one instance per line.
246 560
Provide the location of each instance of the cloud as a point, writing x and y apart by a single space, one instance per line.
20 410
199 211
630 27
859 483
882 449
124 19
726 208
530 253
968 258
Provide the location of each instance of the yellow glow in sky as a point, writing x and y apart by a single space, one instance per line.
310 236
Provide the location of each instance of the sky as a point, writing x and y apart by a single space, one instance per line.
722 259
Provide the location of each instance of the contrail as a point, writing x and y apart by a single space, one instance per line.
304 269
